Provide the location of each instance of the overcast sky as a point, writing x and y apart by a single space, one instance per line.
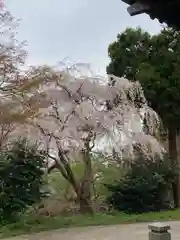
79 30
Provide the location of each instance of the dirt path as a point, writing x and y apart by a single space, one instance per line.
124 232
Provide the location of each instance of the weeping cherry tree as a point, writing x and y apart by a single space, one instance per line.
77 112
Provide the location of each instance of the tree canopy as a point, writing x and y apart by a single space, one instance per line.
154 61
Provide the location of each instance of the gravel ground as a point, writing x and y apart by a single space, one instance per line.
119 232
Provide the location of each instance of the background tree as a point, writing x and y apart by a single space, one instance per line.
12 57
16 103
154 61
127 52
14 108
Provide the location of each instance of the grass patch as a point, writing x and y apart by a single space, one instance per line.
31 224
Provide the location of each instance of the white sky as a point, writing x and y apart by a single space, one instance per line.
79 30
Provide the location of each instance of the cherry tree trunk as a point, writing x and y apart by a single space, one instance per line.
85 196
173 153
85 205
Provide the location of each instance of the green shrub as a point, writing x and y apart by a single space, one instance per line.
21 179
144 188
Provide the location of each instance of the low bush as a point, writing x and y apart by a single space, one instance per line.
144 188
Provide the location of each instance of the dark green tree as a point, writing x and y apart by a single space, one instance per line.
21 179
154 61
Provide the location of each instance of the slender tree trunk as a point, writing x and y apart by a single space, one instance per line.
172 141
85 206
85 198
